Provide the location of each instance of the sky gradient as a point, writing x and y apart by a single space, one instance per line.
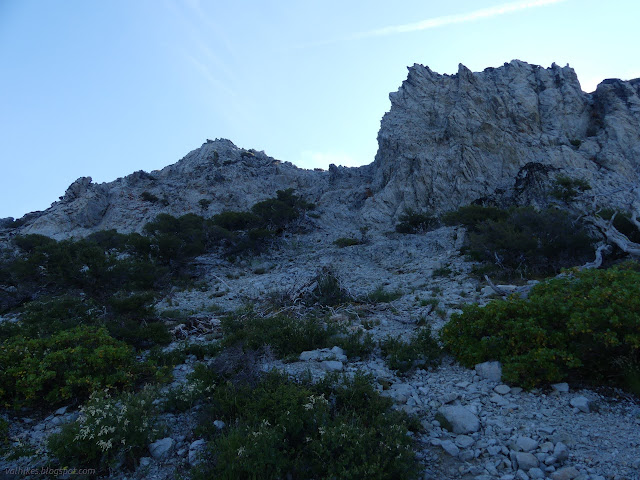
102 89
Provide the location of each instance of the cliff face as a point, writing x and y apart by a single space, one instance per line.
451 140
448 140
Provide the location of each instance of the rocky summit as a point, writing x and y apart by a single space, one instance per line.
317 273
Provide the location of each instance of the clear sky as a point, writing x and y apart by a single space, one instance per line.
104 88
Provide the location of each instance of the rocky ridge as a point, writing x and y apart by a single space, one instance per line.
502 134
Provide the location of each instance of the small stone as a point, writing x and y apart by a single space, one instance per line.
526 444
561 452
450 448
145 461
194 451
581 403
521 475
546 447
560 387
490 371
547 430
162 448
337 351
466 455
458 419
494 450
447 398
536 473
219 424
61 411
502 389
566 473
464 441
526 461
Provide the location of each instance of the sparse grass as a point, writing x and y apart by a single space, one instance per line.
442 272
380 295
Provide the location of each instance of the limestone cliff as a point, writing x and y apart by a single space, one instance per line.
449 140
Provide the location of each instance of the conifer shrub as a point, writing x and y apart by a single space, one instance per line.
471 216
415 222
567 189
338 428
585 327
531 243
68 365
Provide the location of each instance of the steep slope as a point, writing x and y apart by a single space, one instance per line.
452 139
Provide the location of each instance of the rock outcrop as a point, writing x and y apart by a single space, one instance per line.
500 135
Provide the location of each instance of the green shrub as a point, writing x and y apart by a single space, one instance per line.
285 335
472 215
343 242
338 428
235 221
531 243
414 222
199 386
149 197
67 365
584 327
47 316
109 430
204 203
421 351
356 344
380 295
567 188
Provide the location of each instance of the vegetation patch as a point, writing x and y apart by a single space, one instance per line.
380 295
567 189
286 336
415 222
338 428
343 242
110 431
584 327
68 365
421 351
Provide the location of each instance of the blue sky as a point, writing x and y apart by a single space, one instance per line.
104 88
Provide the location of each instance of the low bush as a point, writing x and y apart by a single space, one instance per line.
471 216
110 431
343 242
356 344
414 222
68 365
285 335
531 243
585 327
421 351
338 428
567 189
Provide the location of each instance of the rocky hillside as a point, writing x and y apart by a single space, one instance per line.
501 134
390 353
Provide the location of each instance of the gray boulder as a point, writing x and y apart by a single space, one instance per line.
458 419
